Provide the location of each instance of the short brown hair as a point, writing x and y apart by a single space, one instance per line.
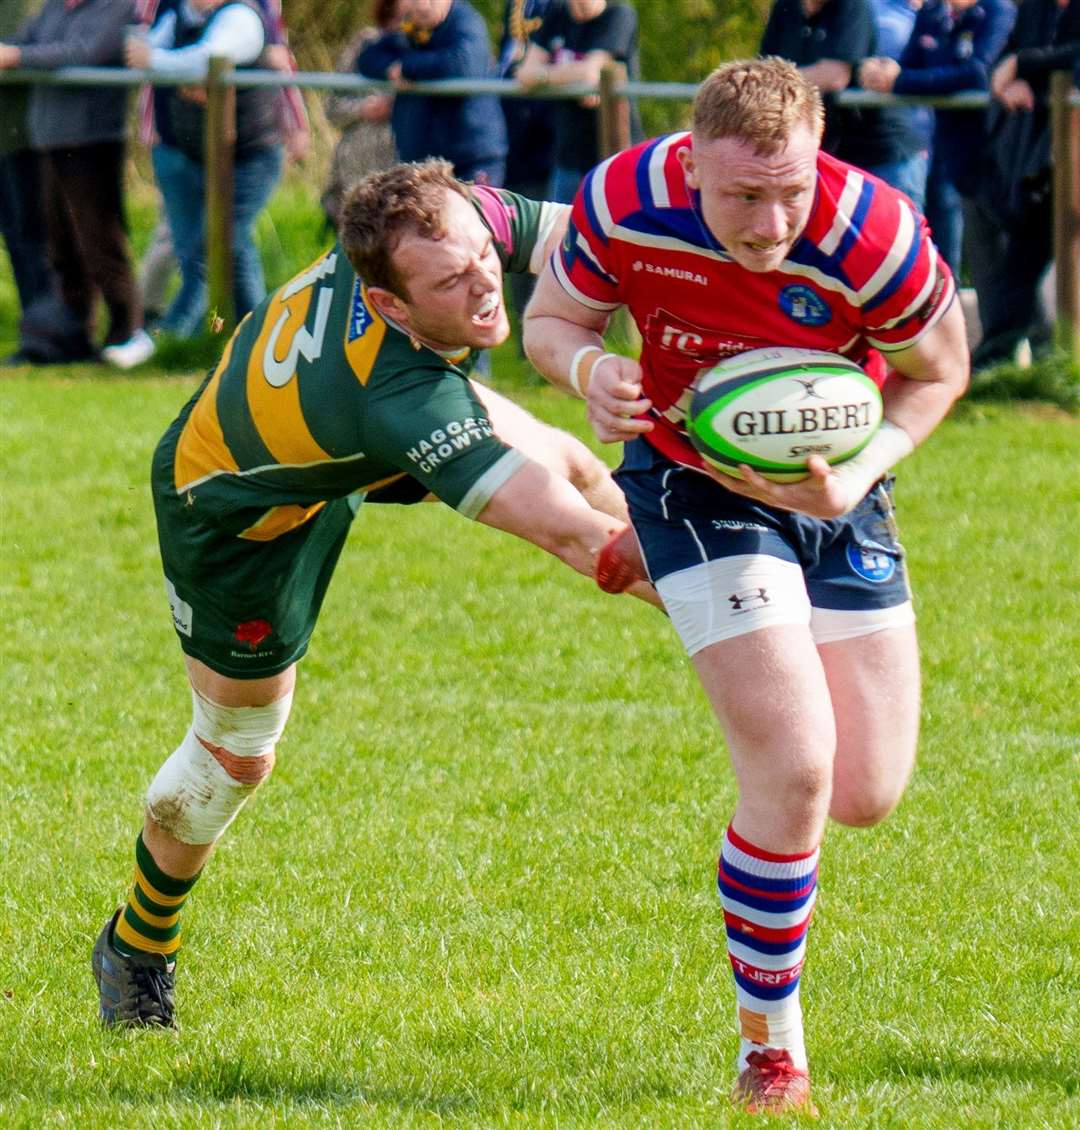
761 101
388 204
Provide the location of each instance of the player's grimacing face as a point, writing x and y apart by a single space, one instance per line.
756 205
454 283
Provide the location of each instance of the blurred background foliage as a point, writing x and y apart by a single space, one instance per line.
680 40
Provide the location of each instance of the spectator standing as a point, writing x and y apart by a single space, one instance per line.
574 44
827 40
366 144
183 41
22 224
441 39
159 262
530 122
79 133
954 45
1010 221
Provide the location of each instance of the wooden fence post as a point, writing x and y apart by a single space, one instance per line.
219 149
614 117
1065 143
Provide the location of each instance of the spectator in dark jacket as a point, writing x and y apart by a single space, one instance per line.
1010 221
573 45
530 124
827 40
22 223
79 132
954 46
441 39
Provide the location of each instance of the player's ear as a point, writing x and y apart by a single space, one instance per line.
686 159
388 305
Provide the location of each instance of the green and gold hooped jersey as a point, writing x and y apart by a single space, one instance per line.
317 397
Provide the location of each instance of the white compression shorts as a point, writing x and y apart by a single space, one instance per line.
731 596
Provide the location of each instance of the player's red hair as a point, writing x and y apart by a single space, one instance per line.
760 101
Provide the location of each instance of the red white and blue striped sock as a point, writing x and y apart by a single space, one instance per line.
768 900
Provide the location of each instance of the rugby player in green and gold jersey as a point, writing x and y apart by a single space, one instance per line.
334 390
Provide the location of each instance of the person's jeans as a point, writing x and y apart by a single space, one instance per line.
564 184
908 175
182 185
22 225
944 214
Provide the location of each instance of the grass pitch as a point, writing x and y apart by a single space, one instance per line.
479 889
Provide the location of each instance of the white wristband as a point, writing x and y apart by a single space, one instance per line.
889 445
574 377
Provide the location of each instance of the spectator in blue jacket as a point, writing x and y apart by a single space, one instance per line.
441 39
953 46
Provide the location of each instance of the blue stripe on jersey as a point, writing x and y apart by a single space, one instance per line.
774 906
901 273
808 254
862 206
680 223
642 174
781 886
586 191
775 949
765 992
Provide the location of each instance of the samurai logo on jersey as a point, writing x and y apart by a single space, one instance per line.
671 272
450 440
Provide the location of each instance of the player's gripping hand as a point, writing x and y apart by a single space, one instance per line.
822 495
614 399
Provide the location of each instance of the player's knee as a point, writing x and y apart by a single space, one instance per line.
864 807
224 757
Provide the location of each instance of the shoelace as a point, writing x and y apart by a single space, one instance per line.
153 989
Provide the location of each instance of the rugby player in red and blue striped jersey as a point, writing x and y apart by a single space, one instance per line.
791 599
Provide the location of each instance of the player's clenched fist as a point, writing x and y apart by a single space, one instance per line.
614 399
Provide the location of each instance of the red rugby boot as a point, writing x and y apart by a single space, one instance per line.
772 1084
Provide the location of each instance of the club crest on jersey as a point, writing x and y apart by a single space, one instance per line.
359 315
804 305
872 562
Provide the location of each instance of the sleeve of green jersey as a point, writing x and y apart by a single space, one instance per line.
431 424
519 225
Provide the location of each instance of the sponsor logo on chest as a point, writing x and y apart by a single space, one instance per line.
663 271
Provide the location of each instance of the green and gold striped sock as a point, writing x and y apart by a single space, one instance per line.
150 923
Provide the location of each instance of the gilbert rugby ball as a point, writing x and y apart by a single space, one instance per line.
773 408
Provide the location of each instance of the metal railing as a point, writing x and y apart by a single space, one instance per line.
613 92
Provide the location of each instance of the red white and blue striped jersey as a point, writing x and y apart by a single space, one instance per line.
863 277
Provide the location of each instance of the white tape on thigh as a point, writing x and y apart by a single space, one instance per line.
830 625
193 797
731 596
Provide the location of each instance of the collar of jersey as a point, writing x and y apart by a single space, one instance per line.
453 356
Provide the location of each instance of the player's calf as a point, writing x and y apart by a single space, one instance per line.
224 757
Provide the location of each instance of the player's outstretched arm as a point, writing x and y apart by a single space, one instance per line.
563 340
545 509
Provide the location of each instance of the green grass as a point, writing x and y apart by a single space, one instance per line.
479 889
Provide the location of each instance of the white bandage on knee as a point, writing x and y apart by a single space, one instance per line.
225 755
731 596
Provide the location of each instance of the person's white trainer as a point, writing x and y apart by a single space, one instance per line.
137 349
